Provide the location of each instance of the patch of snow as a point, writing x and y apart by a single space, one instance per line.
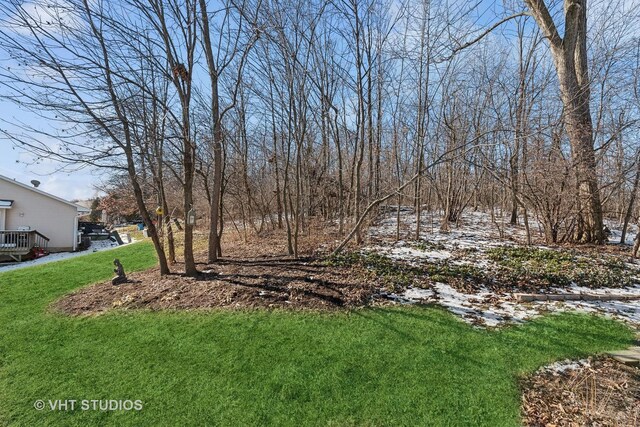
476 228
490 309
563 366
628 311
410 296
575 289
616 233
483 307
418 294
477 233
405 253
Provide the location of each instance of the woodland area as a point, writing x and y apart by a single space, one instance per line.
275 115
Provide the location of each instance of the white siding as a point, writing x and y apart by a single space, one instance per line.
55 219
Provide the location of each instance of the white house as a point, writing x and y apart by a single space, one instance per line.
30 217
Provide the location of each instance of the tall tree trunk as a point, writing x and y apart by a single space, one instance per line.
188 155
214 208
570 58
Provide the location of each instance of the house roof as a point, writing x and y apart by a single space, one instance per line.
35 190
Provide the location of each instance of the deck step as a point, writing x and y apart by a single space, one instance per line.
628 357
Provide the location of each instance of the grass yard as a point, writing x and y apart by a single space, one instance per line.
382 366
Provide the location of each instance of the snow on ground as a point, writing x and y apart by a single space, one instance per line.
481 308
616 233
400 251
477 233
478 230
96 246
490 309
466 245
563 366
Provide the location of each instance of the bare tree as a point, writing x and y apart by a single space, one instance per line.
67 73
570 57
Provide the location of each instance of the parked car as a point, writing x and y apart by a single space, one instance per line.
93 230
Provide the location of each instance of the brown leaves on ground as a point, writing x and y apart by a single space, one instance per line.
269 279
606 393
262 282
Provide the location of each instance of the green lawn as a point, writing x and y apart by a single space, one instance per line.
399 366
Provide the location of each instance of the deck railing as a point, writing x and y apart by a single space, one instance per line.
17 243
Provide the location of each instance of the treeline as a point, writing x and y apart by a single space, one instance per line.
278 113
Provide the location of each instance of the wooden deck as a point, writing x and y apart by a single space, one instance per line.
16 243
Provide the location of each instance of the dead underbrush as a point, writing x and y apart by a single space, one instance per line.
606 393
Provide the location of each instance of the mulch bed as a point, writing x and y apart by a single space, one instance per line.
273 282
606 393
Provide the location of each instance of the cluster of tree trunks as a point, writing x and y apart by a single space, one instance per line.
275 115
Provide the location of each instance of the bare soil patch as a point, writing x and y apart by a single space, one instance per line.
606 393
273 282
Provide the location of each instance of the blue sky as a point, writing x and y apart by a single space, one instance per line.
18 164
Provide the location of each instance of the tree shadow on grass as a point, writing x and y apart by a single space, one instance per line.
522 348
